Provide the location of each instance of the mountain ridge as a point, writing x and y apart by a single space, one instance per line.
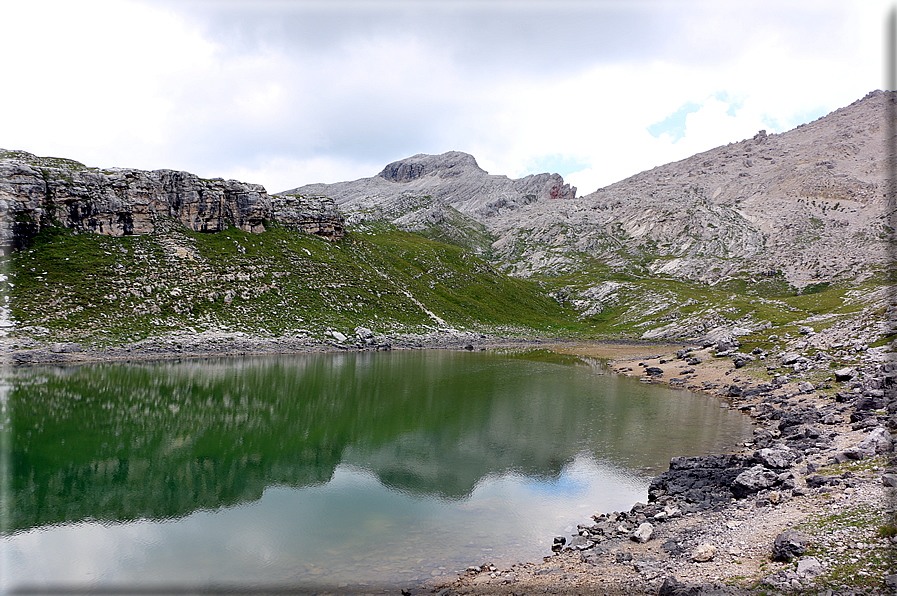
774 232
732 211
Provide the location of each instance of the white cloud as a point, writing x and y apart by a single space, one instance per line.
88 77
292 93
282 173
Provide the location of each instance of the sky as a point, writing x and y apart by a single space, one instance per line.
291 92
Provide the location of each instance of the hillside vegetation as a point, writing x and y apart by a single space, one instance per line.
71 286
84 287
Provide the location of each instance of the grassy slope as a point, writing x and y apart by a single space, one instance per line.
86 286
99 288
641 303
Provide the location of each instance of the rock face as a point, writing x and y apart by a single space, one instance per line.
35 192
452 179
310 214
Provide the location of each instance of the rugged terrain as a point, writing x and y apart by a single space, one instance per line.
775 231
772 255
808 206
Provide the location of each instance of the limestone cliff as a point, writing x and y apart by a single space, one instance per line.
35 192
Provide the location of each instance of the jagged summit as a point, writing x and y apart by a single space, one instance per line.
446 165
448 193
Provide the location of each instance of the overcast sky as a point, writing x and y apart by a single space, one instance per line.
290 92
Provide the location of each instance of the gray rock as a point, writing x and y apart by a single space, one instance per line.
777 456
580 543
752 480
889 480
316 215
363 333
891 581
338 336
877 441
452 179
65 348
123 202
789 358
809 567
845 374
644 533
740 359
653 371
705 552
805 387
789 544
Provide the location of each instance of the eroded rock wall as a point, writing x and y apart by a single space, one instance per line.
35 192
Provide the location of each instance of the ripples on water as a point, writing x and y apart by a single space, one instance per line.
325 470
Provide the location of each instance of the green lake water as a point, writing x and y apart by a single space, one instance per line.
323 471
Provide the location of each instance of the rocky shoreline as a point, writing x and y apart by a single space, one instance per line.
806 507
820 465
209 344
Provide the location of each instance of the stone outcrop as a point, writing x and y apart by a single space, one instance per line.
310 214
451 179
35 192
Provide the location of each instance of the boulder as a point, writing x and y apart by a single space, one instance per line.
789 544
878 441
845 374
777 456
672 587
753 480
644 533
741 359
789 358
809 567
363 333
705 552
703 481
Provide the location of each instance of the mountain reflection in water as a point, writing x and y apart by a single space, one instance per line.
116 443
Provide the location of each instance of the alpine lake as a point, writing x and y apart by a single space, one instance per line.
346 471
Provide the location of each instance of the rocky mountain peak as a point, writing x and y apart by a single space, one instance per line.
447 165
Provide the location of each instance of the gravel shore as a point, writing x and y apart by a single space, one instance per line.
711 524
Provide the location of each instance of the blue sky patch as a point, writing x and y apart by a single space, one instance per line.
556 163
674 124
735 103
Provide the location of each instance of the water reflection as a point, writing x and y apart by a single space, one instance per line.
393 453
